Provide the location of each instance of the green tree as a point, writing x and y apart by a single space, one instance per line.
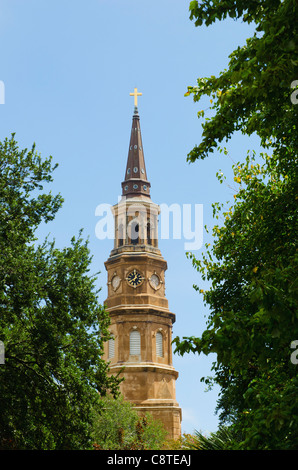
252 265
119 426
51 323
253 309
222 439
254 93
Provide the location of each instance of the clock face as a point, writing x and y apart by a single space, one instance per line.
134 278
116 282
155 281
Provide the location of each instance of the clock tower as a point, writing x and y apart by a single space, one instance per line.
141 322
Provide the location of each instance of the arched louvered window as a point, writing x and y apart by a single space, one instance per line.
111 345
134 343
159 344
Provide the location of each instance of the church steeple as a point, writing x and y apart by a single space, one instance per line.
135 180
140 348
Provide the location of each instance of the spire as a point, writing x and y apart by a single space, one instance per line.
135 180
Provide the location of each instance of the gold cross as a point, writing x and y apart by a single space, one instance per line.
136 94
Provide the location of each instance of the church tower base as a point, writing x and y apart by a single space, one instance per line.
169 416
144 380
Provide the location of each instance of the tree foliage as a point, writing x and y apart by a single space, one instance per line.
253 94
51 323
119 427
252 265
222 439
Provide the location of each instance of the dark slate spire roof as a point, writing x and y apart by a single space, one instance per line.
135 180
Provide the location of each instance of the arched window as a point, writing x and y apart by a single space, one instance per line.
159 344
134 234
134 343
149 240
120 235
111 345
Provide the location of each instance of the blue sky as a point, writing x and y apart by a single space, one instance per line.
68 68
